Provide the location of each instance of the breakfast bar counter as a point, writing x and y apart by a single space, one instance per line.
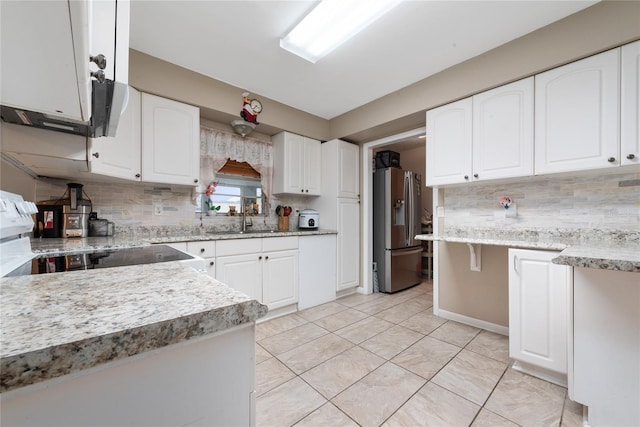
57 324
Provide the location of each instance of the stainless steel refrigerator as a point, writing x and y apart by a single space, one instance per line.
396 221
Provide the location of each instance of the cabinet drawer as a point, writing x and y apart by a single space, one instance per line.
238 246
271 244
205 249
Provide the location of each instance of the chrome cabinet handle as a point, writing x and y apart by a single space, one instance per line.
611 159
100 60
631 156
98 75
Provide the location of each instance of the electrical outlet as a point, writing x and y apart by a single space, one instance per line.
157 209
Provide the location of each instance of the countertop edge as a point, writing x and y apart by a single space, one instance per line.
597 254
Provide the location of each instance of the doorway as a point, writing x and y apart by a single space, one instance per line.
412 148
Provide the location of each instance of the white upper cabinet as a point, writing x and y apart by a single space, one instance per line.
60 36
343 180
119 156
170 141
503 131
487 136
577 115
630 112
296 165
449 143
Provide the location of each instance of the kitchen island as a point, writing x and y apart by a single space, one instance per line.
157 344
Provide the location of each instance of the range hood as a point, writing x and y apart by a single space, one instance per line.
64 64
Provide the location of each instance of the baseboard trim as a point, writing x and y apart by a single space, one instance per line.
472 321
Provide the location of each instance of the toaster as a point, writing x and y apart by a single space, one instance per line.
308 218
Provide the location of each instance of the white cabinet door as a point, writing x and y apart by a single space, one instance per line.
317 257
606 346
313 167
119 156
297 165
348 170
503 131
280 279
577 115
539 313
241 272
348 243
630 109
170 141
449 136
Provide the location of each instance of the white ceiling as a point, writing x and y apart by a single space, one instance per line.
237 42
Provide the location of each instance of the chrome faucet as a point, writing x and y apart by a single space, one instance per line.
243 209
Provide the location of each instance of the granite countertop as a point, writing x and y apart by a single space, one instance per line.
602 249
57 324
128 240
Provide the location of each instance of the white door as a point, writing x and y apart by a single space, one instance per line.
348 170
630 110
120 156
280 279
313 167
577 115
449 143
241 272
503 131
538 310
170 141
348 243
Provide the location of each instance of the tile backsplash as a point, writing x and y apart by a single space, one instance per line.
594 201
131 205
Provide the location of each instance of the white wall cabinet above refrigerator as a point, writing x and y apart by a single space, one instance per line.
296 165
487 136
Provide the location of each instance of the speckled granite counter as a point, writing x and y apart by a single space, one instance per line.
602 249
57 324
128 240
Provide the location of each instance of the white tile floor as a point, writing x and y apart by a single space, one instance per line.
372 360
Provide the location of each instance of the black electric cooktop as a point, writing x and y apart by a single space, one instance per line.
105 258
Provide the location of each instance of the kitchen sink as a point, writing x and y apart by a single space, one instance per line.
223 233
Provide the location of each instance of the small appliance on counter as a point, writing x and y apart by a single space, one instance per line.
65 217
308 219
99 226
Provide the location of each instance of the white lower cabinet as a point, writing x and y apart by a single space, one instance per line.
241 272
264 269
605 374
539 314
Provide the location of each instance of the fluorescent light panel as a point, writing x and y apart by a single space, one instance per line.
332 23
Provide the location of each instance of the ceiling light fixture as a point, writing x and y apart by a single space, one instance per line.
242 127
332 23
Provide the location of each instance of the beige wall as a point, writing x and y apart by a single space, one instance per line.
481 295
17 181
605 25
218 101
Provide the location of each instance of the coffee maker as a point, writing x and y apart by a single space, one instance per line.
67 216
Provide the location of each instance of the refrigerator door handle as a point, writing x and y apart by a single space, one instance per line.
404 252
407 208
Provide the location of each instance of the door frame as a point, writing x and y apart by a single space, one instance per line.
367 202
